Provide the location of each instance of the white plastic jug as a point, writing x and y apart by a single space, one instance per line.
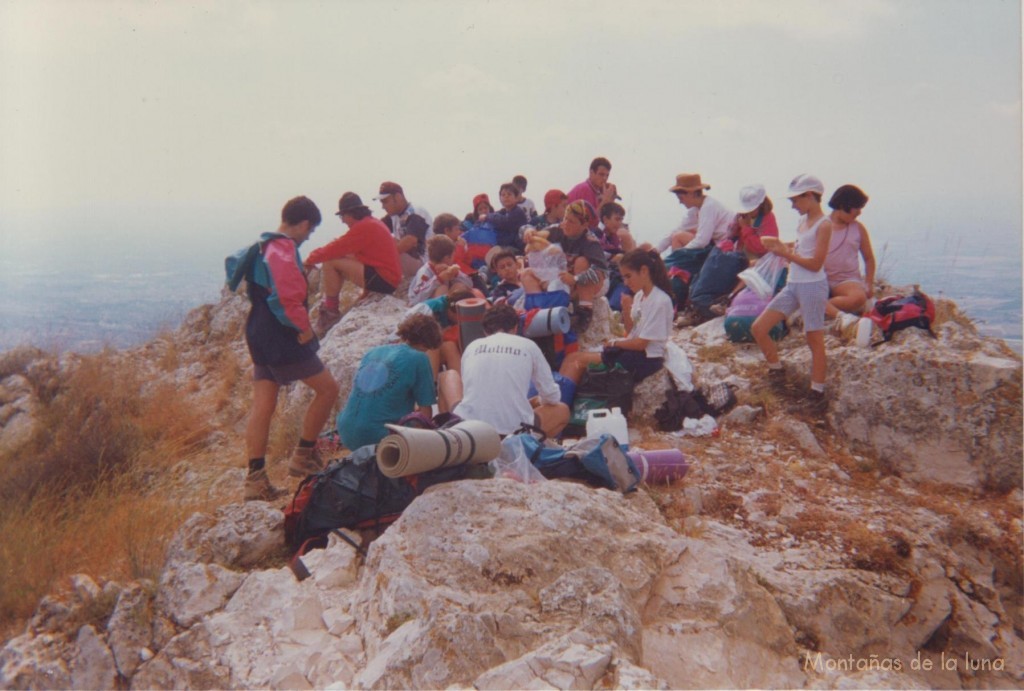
864 332
613 422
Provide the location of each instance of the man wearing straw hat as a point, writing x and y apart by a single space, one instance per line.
706 221
497 371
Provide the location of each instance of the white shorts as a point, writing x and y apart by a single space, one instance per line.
809 298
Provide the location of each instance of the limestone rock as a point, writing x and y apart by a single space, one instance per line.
258 643
92 665
34 661
129 632
629 676
239 536
189 591
437 608
186 662
599 330
649 395
595 601
741 415
336 566
804 437
228 318
842 612
17 410
562 664
932 411
369 323
710 622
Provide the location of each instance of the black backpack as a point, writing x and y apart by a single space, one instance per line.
353 493
600 387
349 493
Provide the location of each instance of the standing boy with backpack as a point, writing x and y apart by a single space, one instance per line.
283 348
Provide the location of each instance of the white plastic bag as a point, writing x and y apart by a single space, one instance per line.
679 367
698 428
513 463
763 276
547 263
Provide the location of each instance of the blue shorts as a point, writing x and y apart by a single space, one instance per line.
809 298
286 374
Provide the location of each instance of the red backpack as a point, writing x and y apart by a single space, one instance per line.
897 312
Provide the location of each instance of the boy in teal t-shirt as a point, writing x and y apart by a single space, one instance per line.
391 382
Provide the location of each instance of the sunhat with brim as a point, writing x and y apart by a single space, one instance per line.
688 182
348 203
802 184
751 197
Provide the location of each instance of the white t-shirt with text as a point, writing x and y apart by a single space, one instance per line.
496 374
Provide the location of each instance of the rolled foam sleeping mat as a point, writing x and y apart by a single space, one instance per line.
663 465
470 313
408 450
548 322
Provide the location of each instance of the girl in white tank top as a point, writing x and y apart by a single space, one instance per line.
807 287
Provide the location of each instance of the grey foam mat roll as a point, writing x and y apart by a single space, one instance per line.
408 450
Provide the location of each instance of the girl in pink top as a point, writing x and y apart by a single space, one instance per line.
849 290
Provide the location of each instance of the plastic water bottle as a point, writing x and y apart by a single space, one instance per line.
864 332
613 422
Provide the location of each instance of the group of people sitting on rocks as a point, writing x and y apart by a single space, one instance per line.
512 264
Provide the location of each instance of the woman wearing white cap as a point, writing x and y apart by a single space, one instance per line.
754 220
807 286
718 278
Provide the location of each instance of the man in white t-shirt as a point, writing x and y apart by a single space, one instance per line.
497 371
706 221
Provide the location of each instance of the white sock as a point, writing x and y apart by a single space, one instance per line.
815 386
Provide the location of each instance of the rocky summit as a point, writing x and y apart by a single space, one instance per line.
874 544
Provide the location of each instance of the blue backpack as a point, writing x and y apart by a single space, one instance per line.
242 263
598 460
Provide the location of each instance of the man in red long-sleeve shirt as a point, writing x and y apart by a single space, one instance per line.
365 255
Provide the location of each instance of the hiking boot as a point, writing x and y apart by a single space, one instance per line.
258 487
581 318
325 320
305 461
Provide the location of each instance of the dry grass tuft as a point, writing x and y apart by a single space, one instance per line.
96 428
116 531
721 352
723 503
84 493
868 550
948 311
813 523
17 360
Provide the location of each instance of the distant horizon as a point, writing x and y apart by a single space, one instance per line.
162 136
144 290
222 112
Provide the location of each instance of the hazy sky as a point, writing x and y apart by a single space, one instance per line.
137 121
